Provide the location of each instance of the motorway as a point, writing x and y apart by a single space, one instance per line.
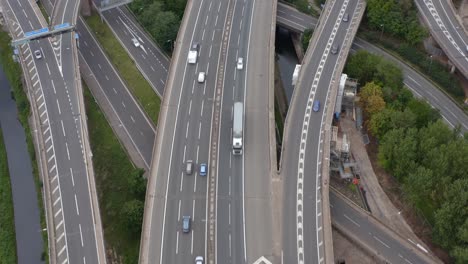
382 241
131 118
301 16
153 64
54 91
97 60
443 25
416 82
184 134
303 138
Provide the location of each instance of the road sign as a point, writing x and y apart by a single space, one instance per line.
35 32
64 25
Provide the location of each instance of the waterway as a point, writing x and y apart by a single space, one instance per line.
287 60
29 243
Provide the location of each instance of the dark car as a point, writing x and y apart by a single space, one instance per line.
195 46
316 106
186 224
335 48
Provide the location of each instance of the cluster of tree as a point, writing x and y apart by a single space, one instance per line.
132 210
161 18
432 163
428 158
397 17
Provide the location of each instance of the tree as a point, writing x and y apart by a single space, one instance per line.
164 28
387 119
420 187
374 104
371 98
398 152
132 215
137 184
425 114
362 66
149 12
450 219
414 32
389 75
370 89
397 18
176 6
460 251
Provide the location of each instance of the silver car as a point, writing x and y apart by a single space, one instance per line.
37 54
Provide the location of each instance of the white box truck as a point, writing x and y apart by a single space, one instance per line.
237 129
193 53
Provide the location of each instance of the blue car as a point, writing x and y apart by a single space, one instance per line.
316 106
203 169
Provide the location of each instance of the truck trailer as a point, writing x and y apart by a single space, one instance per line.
237 128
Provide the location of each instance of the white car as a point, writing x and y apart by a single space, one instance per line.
240 63
136 43
201 77
199 260
37 54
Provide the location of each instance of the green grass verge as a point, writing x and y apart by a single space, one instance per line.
7 217
126 67
112 169
43 11
14 75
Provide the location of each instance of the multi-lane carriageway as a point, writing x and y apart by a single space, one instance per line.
134 51
296 15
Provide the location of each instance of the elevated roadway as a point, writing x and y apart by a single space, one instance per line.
415 81
55 95
443 25
385 244
304 161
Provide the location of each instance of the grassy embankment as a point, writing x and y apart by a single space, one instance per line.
113 172
7 221
14 75
126 67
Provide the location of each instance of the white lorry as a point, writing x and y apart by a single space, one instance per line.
193 53
237 129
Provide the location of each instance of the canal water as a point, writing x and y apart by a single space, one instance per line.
287 60
29 243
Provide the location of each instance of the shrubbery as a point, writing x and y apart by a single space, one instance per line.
428 158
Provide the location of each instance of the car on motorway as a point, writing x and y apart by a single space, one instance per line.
345 17
203 169
316 106
186 223
201 77
335 48
135 42
199 260
37 54
240 63
189 167
193 53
